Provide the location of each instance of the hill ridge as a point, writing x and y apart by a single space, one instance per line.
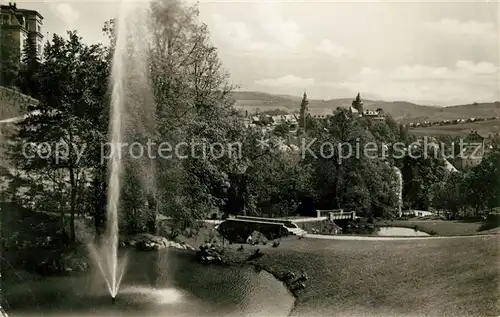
404 111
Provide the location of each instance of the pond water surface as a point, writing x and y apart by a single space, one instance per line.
400 232
165 283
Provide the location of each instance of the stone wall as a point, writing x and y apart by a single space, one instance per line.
13 103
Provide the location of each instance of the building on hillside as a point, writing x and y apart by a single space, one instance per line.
377 115
277 120
472 150
449 167
291 119
354 111
246 122
288 119
268 123
322 116
358 110
21 26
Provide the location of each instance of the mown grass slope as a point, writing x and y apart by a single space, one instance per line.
431 277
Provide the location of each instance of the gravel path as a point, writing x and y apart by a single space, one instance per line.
346 237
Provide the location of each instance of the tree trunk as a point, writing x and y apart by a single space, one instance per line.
99 203
338 178
62 206
72 205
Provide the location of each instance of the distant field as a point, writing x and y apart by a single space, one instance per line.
483 128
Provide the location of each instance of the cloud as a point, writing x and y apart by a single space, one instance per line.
462 28
66 12
236 34
482 68
283 32
327 47
466 82
368 71
271 34
285 81
419 72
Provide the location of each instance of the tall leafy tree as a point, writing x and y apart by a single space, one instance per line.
73 99
346 176
484 183
191 98
422 168
10 59
448 195
28 75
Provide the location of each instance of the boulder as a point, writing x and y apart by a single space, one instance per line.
144 246
188 247
132 242
257 238
209 253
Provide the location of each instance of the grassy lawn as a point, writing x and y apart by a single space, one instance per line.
433 277
441 227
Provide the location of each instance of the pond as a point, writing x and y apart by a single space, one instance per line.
400 232
165 283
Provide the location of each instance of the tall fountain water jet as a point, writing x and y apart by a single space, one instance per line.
129 71
399 190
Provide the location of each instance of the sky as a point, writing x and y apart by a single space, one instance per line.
438 53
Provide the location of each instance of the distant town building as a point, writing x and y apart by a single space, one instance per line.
357 109
472 150
21 26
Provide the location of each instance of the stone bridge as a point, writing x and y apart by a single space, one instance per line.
238 228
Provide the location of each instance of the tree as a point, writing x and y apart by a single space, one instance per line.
73 99
282 130
344 176
273 183
27 80
421 169
10 58
484 183
448 195
191 101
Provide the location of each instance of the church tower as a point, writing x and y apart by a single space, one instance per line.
358 104
303 113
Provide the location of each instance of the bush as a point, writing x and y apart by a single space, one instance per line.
492 221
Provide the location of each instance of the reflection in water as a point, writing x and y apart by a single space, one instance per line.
154 295
165 283
400 232
153 272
